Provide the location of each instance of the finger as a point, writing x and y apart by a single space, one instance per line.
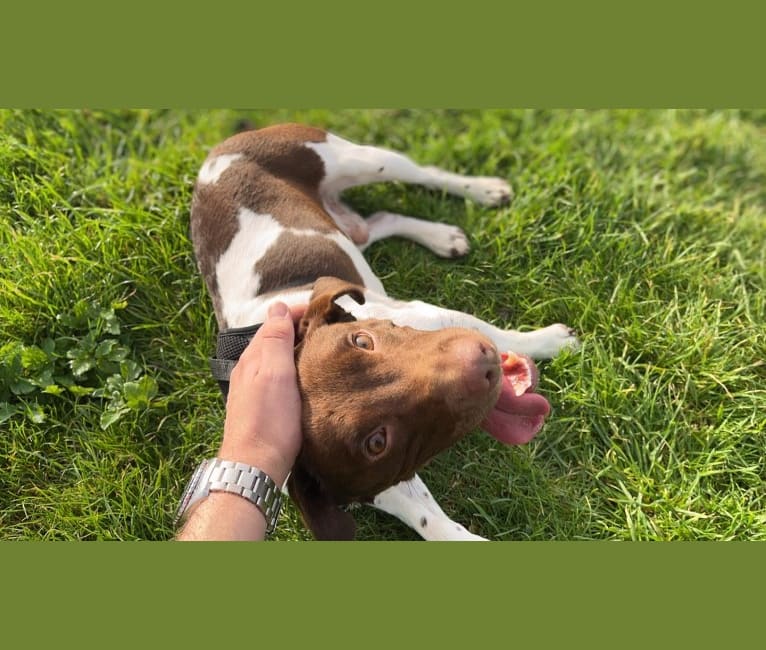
275 340
278 324
277 334
274 327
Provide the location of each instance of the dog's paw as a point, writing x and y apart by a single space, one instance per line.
556 338
462 534
488 190
447 241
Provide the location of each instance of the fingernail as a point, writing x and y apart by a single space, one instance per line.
278 310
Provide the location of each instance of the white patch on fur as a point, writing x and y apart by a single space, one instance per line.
332 152
411 502
441 238
212 168
239 284
348 164
369 279
259 307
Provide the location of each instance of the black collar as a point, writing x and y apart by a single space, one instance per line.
230 345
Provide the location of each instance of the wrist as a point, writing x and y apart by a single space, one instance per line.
268 460
212 487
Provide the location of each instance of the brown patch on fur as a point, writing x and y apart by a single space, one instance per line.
302 259
279 150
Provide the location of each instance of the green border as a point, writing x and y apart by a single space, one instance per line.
590 53
484 54
377 594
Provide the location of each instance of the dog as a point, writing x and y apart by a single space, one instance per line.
385 384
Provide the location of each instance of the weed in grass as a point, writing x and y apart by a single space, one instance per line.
88 360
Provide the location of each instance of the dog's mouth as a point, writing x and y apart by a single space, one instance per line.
519 412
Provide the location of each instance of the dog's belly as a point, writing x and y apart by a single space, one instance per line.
267 261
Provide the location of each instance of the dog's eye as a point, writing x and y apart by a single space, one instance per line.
363 341
376 442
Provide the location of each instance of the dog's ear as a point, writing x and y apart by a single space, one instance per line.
319 511
322 309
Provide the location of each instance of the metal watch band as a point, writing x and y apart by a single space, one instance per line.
216 475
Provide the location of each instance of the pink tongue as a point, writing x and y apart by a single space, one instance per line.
515 420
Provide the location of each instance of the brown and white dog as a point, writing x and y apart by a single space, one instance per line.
385 384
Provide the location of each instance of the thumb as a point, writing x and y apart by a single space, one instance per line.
272 343
276 339
277 335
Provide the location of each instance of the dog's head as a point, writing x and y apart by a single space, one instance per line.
379 401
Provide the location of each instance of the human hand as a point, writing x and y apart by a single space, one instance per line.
263 409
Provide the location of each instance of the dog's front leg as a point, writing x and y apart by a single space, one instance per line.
544 343
411 502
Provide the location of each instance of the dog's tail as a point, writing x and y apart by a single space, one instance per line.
244 124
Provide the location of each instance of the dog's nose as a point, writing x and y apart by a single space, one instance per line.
478 364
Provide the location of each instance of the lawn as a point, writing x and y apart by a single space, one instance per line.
644 230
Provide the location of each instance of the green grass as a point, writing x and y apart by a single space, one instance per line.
645 230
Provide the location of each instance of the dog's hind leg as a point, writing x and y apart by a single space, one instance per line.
441 238
412 502
348 165
351 223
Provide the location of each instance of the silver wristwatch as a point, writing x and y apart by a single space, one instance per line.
216 475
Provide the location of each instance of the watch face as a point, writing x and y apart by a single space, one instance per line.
191 486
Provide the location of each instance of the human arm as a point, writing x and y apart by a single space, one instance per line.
262 429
